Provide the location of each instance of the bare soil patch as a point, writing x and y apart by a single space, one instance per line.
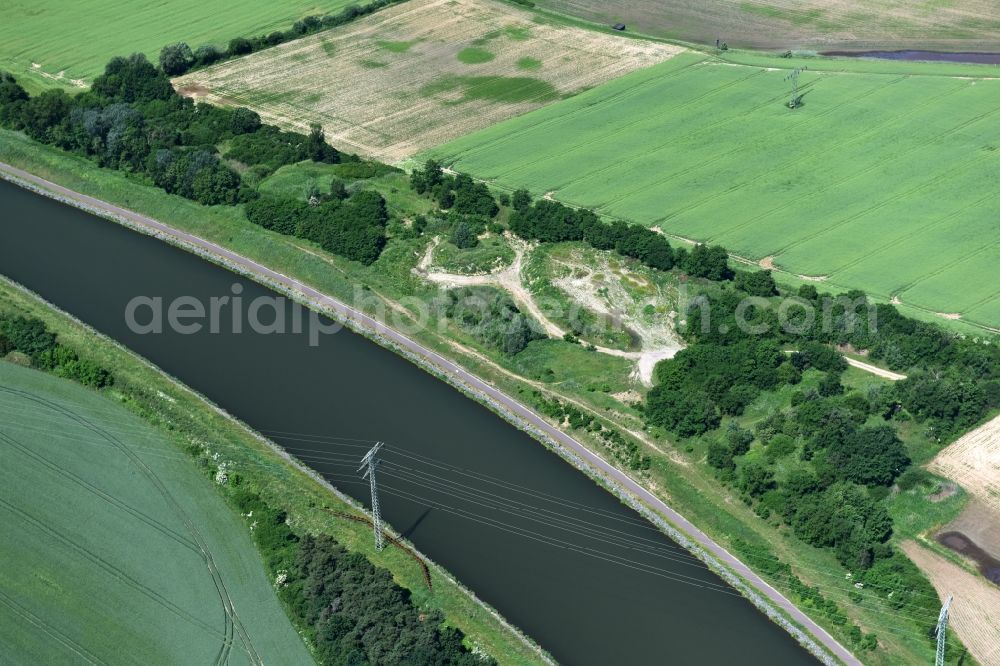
981 524
988 565
974 615
952 25
658 342
973 461
944 492
402 79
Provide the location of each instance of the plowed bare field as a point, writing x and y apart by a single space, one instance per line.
974 616
421 73
974 462
951 25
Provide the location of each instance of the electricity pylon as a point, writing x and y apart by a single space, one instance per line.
371 461
941 631
794 78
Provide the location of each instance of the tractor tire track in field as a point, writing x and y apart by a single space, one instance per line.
871 131
619 96
855 174
956 262
619 129
668 143
115 572
694 167
110 499
909 234
54 633
934 180
233 625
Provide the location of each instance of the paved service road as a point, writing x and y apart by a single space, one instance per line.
463 376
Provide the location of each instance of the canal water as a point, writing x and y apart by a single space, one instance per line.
558 556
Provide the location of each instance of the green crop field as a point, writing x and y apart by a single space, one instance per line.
55 42
883 180
103 526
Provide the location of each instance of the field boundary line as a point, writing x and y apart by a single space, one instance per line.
618 129
855 174
699 165
868 132
618 97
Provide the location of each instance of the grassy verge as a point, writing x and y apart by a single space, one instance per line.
188 421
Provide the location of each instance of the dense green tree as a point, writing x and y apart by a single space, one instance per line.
426 179
756 283
734 401
470 197
244 121
845 518
464 236
830 385
687 413
31 337
44 113
10 89
755 478
176 58
317 149
13 100
817 355
207 54
520 199
739 438
419 225
872 456
239 46
491 317
708 262
269 146
132 79
808 292
279 214
947 400
720 456
27 335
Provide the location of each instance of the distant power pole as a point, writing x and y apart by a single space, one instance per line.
371 461
794 78
941 631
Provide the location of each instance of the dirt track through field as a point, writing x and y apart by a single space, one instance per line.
421 73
